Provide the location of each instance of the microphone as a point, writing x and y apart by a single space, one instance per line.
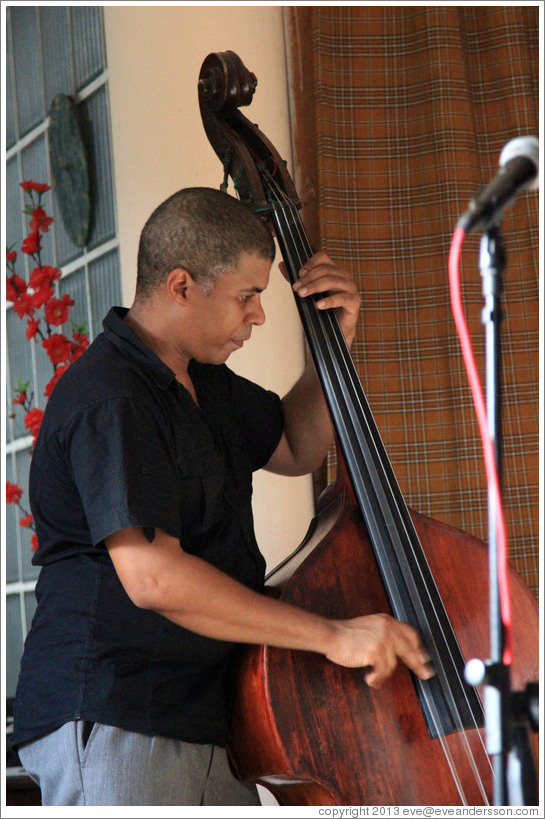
519 171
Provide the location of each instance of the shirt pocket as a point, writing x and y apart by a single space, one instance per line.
202 481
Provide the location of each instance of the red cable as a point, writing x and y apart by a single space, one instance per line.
488 446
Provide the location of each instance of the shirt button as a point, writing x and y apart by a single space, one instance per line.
144 470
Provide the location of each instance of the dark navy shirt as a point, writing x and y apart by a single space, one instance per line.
123 444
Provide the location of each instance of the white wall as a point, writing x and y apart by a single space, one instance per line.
154 58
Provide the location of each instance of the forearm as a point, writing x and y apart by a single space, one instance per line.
308 426
217 606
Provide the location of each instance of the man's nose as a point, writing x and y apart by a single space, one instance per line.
256 313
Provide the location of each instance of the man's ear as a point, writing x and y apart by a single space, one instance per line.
179 284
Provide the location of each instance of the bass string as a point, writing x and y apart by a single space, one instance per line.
293 233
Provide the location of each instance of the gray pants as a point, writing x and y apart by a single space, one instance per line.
116 767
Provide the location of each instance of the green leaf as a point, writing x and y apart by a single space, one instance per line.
79 328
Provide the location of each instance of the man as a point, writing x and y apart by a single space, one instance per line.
141 492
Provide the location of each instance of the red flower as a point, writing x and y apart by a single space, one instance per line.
31 245
40 296
13 492
58 348
81 342
15 286
20 398
43 275
76 353
23 306
26 299
82 339
33 420
56 310
40 220
53 382
39 187
32 328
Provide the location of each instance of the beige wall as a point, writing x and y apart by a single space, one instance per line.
154 58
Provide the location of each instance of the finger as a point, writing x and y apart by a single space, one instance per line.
318 259
319 271
325 282
412 652
381 670
346 301
317 280
375 680
420 664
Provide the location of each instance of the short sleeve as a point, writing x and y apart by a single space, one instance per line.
123 465
259 415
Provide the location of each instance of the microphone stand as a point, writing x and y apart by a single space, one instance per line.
508 716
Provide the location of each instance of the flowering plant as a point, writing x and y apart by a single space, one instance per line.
28 298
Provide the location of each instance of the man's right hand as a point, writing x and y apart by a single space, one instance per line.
378 641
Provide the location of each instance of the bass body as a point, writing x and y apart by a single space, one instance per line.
313 733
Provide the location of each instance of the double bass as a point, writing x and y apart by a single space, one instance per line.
308 730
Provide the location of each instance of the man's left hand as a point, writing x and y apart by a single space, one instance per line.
321 275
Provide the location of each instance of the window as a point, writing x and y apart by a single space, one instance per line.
50 50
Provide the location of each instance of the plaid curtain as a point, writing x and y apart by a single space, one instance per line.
399 117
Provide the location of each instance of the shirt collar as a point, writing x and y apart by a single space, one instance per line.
119 333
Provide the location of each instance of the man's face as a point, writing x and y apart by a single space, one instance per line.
223 320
